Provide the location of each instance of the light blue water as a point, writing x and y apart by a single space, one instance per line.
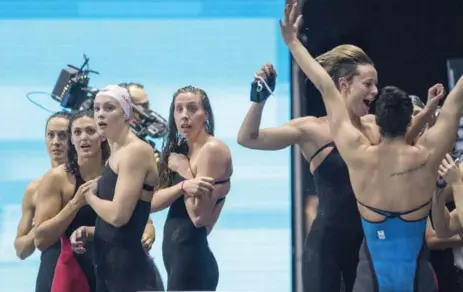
216 45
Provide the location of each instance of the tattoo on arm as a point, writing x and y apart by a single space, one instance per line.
254 135
412 169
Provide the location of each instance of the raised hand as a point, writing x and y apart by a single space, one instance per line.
435 94
264 83
449 170
291 22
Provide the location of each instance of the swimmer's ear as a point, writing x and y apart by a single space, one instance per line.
343 84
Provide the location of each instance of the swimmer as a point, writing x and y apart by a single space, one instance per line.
195 180
61 207
121 199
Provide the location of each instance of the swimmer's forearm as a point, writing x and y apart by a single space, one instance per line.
186 173
104 209
24 245
249 130
434 242
49 232
418 124
165 197
311 68
440 218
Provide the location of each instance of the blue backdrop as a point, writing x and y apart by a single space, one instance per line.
216 45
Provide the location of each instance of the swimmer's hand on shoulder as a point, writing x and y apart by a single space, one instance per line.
198 186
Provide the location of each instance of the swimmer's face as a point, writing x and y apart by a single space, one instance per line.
189 114
139 97
57 138
109 116
85 137
361 90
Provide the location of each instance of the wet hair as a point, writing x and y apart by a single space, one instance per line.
393 112
342 61
60 114
126 85
72 165
416 101
173 142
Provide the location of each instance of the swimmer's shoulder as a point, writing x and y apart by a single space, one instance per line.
217 152
216 147
32 187
139 151
56 174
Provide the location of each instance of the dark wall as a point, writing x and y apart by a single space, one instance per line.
408 40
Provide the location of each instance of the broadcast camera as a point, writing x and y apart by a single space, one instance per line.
73 92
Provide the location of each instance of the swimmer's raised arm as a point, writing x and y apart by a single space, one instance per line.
423 118
24 241
251 136
437 139
294 132
349 140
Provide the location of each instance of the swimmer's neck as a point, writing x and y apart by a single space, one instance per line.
120 140
91 167
356 121
393 141
195 144
56 163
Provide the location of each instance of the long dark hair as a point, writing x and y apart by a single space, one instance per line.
174 142
72 165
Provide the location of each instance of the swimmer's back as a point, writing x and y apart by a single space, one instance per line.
394 178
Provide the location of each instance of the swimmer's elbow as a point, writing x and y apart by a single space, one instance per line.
22 254
40 243
23 249
199 221
443 233
244 141
119 220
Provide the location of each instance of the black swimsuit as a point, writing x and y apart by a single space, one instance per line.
189 262
121 263
332 245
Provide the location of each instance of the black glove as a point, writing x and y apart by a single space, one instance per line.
259 91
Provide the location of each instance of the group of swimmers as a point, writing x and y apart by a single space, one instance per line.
375 176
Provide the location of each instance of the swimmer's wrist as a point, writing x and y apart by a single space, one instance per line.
294 42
